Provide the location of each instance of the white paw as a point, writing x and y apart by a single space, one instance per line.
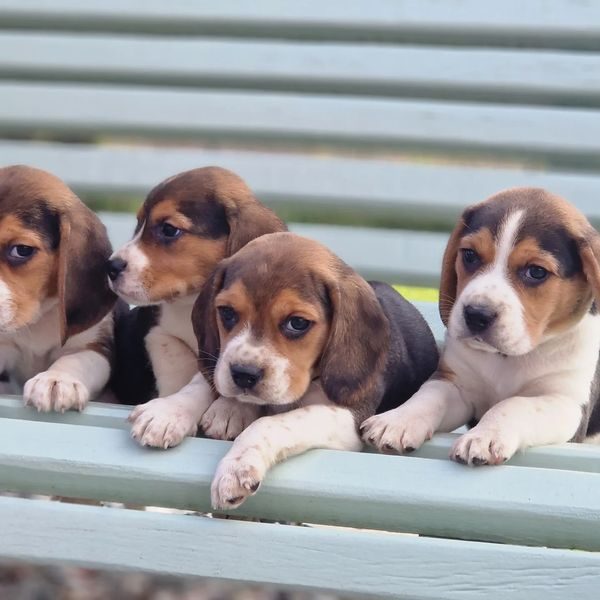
55 390
397 431
484 446
162 423
226 418
236 479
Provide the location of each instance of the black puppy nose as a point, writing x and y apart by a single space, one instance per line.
478 318
115 267
246 376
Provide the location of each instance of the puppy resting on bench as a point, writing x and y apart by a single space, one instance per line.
55 305
286 325
186 225
519 294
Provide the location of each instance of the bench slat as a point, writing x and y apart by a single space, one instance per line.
432 497
567 457
562 23
514 76
414 192
368 564
395 256
566 135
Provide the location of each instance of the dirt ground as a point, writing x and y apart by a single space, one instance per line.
57 583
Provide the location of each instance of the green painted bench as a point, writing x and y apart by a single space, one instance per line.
391 114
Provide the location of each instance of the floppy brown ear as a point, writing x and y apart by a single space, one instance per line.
247 221
589 252
449 277
83 292
204 322
353 361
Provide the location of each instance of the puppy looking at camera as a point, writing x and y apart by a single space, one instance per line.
284 324
186 225
55 305
519 294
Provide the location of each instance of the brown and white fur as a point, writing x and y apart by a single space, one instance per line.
186 225
55 306
519 294
285 325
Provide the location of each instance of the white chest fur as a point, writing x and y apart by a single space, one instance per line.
564 364
176 320
32 349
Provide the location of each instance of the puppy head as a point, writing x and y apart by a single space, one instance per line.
520 268
283 311
187 224
51 247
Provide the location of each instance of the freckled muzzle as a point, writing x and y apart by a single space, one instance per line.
253 372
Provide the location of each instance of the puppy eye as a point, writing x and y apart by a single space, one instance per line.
295 327
228 316
168 232
535 274
20 253
470 258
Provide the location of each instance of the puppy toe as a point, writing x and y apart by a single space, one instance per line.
235 481
55 391
483 447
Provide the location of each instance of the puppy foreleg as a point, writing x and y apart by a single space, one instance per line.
437 406
166 422
273 439
69 383
517 423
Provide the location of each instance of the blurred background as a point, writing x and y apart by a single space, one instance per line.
368 125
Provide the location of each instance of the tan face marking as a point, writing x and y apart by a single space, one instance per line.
24 284
259 339
162 268
526 310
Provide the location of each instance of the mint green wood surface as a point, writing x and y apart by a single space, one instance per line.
414 191
539 77
358 563
434 497
561 23
390 255
304 120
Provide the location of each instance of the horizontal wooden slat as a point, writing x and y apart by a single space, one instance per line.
567 136
432 497
361 563
96 414
515 76
567 457
561 23
395 256
416 193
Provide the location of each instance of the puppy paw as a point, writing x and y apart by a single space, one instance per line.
55 390
226 418
397 431
162 423
483 446
236 479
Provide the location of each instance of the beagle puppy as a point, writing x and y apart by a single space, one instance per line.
285 325
55 305
519 294
186 225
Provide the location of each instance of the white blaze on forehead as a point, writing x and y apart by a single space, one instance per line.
7 306
507 237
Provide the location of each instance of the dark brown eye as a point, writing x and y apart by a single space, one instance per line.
20 253
167 232
535 274
470 258
229 316
295 327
